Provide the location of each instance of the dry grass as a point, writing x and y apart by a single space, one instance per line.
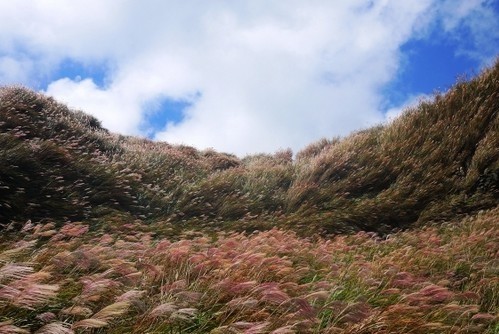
392 229
435 161
436 279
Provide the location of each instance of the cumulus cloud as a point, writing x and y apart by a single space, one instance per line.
114 107
15 70
260 75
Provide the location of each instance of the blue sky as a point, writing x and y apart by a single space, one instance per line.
70 68
244 77
429 67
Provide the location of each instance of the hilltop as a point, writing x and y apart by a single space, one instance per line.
435 161
392 229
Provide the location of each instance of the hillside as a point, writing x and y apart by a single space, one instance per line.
435 161
393 229
437 279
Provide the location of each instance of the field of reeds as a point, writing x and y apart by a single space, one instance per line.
74 279
433 162
393 229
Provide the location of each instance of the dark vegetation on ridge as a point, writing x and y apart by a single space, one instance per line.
435 161
102 233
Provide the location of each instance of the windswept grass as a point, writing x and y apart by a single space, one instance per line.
393 229
436 279
437 160
434 161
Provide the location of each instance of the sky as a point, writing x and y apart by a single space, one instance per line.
244 77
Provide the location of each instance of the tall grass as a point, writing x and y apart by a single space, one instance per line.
437 159
392 229
437 279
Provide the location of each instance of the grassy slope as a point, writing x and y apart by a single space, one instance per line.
437 279
153 244
434 161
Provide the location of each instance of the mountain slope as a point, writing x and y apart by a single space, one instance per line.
105 233
435 161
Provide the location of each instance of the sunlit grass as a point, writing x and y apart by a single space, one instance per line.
440 279
392 229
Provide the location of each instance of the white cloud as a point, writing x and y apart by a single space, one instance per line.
459 11
480 22
15 70
261 75
114 107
